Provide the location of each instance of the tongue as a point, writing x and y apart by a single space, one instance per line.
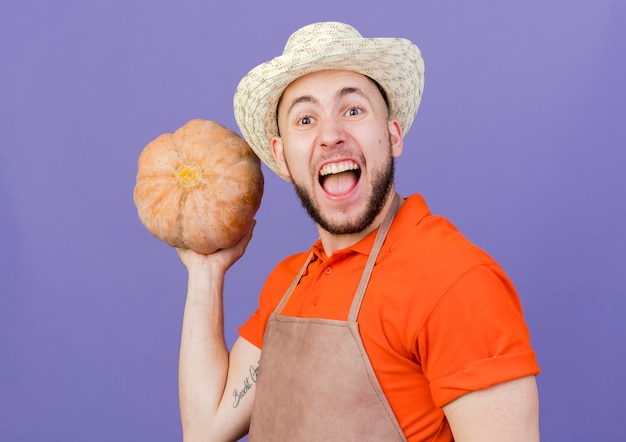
339 183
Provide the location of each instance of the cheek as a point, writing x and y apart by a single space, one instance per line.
297 151
294 161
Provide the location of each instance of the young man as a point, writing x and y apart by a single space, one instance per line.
393 326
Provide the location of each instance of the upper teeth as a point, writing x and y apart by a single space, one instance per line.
338 168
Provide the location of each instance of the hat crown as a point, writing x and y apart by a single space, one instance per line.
394 63
319 34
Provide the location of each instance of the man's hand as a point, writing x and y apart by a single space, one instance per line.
221 259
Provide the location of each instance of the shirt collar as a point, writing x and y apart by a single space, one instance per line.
410 214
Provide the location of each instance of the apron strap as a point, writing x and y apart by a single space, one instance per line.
367 272
371 260
294 283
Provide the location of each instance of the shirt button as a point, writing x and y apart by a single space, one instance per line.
328 270
315 300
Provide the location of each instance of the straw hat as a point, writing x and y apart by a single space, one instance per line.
395 63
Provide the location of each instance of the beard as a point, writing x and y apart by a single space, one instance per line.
381 186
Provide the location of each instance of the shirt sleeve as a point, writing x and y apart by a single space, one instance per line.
476 336
273 290
251 330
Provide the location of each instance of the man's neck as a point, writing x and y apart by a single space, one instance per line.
331 243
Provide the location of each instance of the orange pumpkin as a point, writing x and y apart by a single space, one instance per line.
198 188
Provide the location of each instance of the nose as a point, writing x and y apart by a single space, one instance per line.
331 133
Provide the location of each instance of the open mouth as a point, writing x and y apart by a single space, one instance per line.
339 178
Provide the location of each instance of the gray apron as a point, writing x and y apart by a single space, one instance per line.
315 381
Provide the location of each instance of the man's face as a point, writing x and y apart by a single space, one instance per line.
337 146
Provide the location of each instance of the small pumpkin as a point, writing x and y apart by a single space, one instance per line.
198 188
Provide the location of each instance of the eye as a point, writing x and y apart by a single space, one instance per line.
306 120
353 111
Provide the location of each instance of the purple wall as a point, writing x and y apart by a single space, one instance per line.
520 141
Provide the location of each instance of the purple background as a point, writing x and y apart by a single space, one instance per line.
519 141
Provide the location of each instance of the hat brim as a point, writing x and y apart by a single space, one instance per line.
395 63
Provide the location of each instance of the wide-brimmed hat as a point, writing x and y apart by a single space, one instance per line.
395 63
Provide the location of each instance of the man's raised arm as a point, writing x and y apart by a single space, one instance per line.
215 390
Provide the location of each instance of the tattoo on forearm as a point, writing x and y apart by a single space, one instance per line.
248 383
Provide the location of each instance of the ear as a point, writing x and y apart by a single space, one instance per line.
395 135
278 153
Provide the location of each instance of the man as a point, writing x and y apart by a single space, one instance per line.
393 326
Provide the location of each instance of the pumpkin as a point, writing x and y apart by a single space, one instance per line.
198 188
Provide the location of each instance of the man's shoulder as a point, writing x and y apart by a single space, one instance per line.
433 250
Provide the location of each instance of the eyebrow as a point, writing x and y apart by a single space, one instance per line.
352 90
302 99
341 94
